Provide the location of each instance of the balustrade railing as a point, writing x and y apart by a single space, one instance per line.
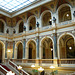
67 61
50 61
46 61
16 67
65 23
3 70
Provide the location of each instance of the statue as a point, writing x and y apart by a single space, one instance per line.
7 31
54 19
24 28
74 14
37 25
14 31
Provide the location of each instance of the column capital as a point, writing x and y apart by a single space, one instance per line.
24 39
54 34
37 37
14 42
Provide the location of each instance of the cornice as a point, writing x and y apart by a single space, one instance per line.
5 13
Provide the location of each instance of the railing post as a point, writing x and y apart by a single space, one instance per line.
37 62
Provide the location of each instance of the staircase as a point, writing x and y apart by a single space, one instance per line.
10 66
3 71
13 66
13 69
6 68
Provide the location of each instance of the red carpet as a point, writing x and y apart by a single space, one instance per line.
6 67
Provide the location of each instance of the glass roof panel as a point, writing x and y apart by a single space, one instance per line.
14 5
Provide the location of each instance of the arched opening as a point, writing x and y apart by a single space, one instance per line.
19 51
32 50
66 46
46 19
1 26
47 49
32 23
21 27
64 14
1 52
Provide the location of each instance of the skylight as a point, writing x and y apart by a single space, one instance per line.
14 5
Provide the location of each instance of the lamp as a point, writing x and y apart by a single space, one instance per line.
51 49
52 67
70 48
9 53
10 73
32 66
67 15
40 69
19 68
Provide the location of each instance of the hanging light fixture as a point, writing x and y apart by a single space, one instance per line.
67 15
50 20
70 48
51 49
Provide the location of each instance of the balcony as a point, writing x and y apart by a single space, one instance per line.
45 62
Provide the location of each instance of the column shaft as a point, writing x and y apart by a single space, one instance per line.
55 45
37 47
13 48
6 45
24 44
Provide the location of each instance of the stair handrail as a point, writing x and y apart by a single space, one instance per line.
4 69
17 66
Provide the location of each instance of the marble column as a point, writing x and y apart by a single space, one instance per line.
6 45
13 49
37 47
55 44
24 44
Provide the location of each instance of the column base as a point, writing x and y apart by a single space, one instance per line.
24 58
6 58
13 58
